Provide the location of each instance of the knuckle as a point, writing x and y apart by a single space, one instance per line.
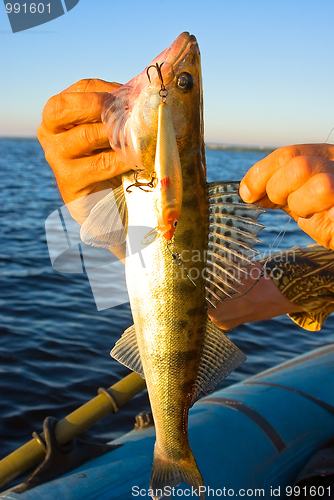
280 158
54 109
86 136
101 161
301 163
254 177
89 134
322 185
300 169
288 179
94 85
54 152
49 157
41 133
276 197
46 142
285 154
94 101
83 85
256 171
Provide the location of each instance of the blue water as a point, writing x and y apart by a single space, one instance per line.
54 349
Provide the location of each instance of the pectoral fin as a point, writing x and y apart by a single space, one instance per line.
107 222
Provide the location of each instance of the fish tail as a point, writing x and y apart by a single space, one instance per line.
168 473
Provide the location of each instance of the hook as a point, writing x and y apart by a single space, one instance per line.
157 66
163 91
140 184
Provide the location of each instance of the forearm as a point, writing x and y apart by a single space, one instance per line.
298 282
258 299
305 276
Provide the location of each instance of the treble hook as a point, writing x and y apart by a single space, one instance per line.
139 184
157 66
163 91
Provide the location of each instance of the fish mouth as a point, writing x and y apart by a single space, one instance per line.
171 57
179 47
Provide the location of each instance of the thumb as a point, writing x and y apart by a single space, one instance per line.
93 85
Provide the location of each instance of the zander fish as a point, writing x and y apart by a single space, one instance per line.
202 236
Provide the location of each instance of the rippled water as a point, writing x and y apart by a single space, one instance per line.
54 349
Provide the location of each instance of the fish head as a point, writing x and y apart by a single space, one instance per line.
131 112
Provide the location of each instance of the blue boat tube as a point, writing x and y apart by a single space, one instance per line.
250 439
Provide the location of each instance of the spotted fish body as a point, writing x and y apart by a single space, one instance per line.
169 315
172 343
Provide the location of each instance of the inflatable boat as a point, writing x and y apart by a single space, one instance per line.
255 438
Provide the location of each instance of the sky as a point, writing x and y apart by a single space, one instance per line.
267 66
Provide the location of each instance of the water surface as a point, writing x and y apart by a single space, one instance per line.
54 349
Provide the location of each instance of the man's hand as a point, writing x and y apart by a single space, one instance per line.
299 180
75 142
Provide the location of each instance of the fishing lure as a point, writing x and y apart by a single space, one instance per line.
167 167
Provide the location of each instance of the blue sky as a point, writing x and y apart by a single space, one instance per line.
267 66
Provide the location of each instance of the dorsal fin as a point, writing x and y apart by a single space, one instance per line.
232 235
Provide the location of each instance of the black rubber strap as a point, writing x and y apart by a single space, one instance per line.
253 415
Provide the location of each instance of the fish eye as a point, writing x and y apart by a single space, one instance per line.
185 82
175 223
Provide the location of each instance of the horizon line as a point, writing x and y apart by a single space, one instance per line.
208 145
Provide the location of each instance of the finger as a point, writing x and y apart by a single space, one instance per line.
93 85
64 111
253 185
322 150
294 175
315 196
330 214
91 170
83 140
320 228
41 133
266 203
